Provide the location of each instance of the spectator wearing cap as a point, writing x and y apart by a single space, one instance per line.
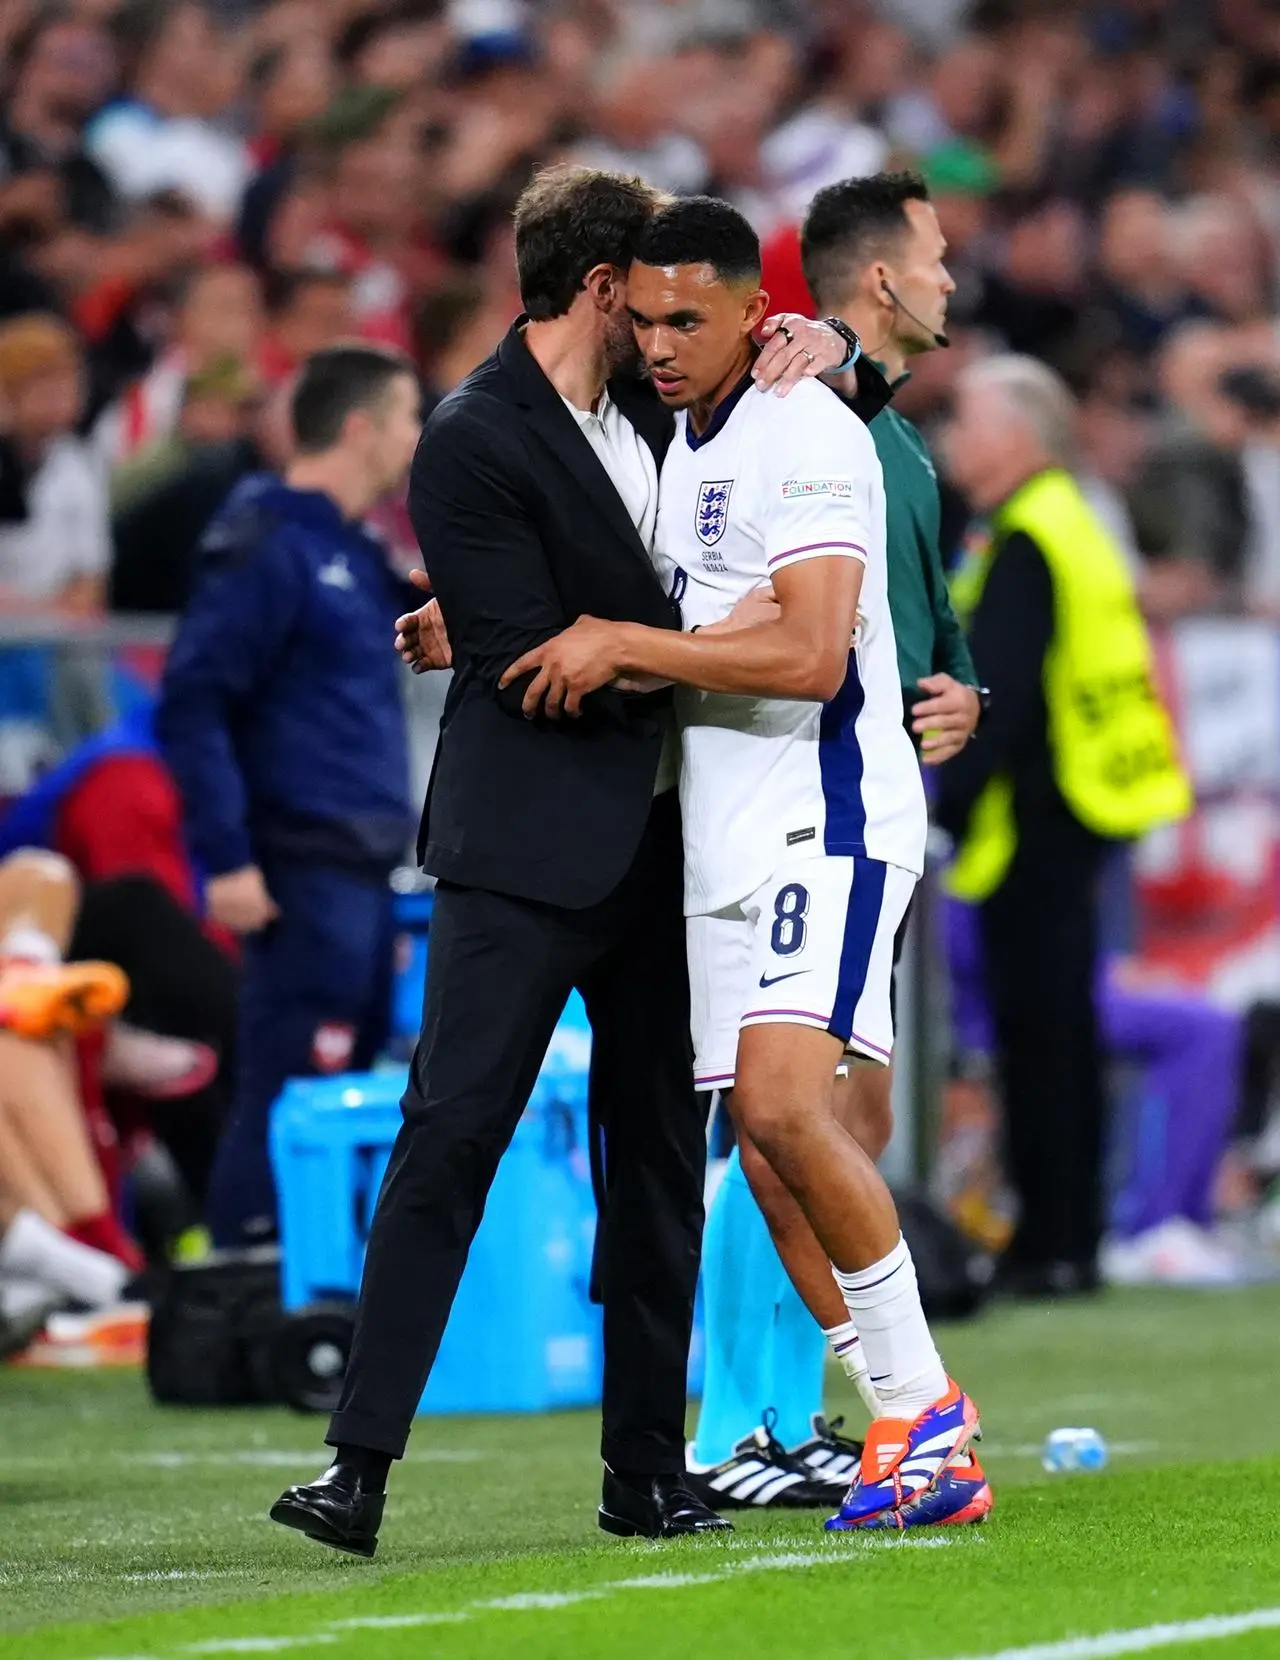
57 557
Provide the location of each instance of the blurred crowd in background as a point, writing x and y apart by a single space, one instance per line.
195 193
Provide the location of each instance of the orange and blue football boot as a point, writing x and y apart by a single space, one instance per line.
962 1496
902 1462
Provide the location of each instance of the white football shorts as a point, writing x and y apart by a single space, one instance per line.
813 946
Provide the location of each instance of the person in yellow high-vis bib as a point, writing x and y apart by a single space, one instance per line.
1076 755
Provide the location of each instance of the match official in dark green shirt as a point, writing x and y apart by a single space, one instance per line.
930 639
873 255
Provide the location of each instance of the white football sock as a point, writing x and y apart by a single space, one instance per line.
35 1249
884 1303
846 1346
30 945
21 1297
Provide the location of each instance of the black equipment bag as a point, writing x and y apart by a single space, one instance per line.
954 1274
213 1325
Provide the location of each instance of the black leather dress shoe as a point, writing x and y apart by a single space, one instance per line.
655 1507
335 1510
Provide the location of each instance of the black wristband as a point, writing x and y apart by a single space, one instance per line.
850 338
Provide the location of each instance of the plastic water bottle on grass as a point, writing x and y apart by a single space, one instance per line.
1074 1449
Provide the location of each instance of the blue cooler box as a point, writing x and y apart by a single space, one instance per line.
523 1336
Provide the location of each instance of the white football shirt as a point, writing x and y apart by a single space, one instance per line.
770 483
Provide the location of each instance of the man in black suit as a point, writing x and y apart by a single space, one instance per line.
557 852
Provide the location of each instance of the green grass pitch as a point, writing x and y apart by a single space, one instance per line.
138 1534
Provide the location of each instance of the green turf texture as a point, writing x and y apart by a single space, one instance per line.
130 1531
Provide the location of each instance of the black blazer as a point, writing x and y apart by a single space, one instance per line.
521 532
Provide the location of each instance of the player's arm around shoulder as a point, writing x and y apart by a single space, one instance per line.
818 521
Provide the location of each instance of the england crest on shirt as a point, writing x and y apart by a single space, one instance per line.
711 514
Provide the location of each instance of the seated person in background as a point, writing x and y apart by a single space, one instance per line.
40 996
57 557
60 1238
44 1268
48 1167
1172 1135
112 810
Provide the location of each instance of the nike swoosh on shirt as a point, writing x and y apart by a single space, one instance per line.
765 984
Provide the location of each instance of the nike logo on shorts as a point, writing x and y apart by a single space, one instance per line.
765 984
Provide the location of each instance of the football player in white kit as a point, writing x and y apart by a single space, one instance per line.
804 815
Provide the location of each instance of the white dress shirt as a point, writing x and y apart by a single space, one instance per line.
633 472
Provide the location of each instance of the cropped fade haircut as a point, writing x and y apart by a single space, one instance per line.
570 219
337 380
702 230
851 223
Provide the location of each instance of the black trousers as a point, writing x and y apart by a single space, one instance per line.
500 972
1040 943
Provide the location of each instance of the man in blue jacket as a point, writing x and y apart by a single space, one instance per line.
281 718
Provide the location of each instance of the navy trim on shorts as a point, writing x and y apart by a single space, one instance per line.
866 901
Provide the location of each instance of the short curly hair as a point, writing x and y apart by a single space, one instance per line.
569 219
702 230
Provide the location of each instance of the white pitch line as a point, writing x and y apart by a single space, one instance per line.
258 1645
156 1575
520 1601
397 1622
1108 1645
1145 1638
833 1556
265 1458
271 1458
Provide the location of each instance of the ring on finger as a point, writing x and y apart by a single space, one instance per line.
786 334
807 354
